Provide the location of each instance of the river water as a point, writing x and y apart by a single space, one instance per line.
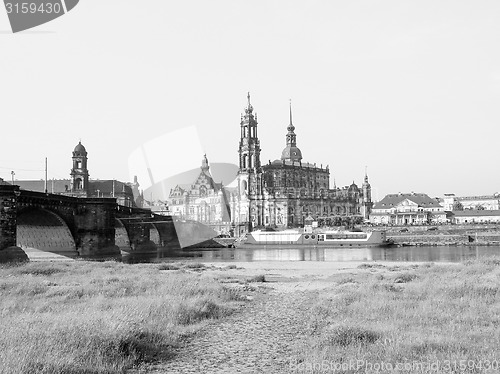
403 254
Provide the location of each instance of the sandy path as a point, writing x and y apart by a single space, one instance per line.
262 335
258 339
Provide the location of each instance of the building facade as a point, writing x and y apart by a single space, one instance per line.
407 209
470 216
284 192
80 184
483 202
204 201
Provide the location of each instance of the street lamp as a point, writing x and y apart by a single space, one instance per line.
12 173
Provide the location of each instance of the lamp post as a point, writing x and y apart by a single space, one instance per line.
12 173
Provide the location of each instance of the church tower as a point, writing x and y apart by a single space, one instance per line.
291 152
367 197
249 149
79 172
250 170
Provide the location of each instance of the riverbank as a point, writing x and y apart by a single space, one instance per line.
478 235
279 317
352 318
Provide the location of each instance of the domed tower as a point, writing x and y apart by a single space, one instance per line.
79 172
353 191
367 197
291 152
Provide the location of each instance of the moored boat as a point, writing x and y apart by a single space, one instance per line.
317 238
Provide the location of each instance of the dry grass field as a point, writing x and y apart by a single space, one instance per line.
87 317
429 318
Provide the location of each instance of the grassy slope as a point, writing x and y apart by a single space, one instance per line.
99 317
445 314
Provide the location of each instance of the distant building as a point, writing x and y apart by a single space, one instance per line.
204 201
80 185
286 191
407 209
474 216
483 202
158 207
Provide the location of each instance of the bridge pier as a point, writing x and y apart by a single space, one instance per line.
95 227
139 234
9 252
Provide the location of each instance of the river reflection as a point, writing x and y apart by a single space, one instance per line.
416 254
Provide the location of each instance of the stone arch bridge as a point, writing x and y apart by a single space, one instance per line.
72 226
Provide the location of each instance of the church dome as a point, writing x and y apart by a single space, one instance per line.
291 153
80 149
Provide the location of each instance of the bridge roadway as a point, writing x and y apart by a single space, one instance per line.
80 227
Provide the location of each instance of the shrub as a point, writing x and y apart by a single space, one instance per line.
189 312
346 280
258 278
405 278
349 335
194 265
44 269
167 267
370 266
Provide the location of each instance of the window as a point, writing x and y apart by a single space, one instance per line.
78 184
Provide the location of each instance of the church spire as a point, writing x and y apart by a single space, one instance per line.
249 108
204 163
291 128
367 196
291 152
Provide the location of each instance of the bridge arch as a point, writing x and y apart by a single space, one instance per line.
136 235
42 229
154 234
122 239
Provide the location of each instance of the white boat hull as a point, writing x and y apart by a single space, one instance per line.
329 239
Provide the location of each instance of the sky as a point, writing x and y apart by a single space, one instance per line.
407 89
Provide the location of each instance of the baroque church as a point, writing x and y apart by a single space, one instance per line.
284 192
